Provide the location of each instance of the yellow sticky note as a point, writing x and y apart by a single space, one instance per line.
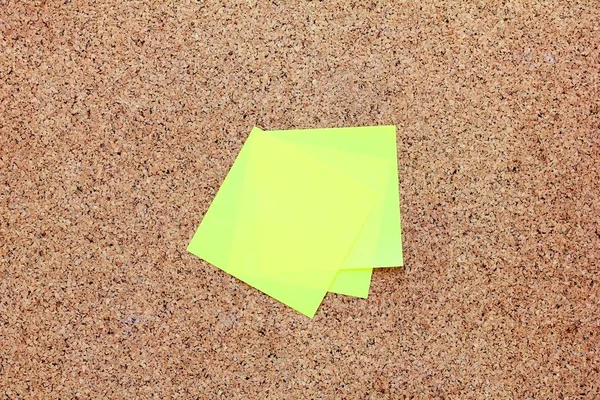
307 211
291 230
369 155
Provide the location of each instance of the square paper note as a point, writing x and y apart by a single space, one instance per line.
303 212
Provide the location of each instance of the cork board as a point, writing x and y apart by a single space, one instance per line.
119 120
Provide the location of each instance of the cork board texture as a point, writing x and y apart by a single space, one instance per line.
119 120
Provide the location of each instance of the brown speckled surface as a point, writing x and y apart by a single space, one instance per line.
119 120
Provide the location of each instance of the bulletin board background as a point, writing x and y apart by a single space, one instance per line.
120 119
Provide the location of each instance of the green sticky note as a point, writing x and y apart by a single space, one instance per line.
295 221
369 155
352 282
306 211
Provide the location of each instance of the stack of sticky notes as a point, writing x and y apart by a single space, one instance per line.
304 212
